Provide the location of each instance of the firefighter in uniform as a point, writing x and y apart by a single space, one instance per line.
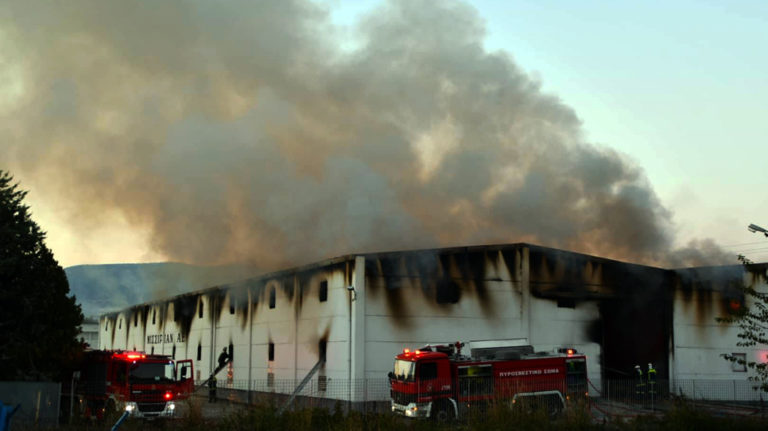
223 358
651 381
640 384
212 389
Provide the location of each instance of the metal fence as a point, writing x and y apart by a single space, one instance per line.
38 401
374 393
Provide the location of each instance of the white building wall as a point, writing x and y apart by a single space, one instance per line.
698 368
395 311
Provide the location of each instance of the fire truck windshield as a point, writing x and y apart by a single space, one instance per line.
404 370
151 372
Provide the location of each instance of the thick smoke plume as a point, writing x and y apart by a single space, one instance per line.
241 131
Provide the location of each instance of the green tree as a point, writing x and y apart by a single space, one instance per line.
751 318
39 320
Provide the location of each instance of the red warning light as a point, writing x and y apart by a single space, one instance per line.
168 396
570 352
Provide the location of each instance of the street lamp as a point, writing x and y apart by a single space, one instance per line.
755 228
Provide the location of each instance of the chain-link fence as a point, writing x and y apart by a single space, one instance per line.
606 398
374 394
38 402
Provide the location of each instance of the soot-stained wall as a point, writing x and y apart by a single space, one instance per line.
701 295
362 310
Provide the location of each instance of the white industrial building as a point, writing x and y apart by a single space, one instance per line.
361 310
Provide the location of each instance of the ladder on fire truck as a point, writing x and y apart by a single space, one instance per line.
303 383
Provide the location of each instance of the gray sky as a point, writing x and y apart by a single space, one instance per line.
281 133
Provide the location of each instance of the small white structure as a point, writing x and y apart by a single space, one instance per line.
359 311
89 332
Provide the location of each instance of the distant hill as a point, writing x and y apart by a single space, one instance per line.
104 288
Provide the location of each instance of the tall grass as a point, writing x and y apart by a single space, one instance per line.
680 417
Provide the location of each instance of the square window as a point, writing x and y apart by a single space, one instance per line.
323 291
740 365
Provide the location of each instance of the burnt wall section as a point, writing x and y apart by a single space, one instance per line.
185 309
713 291
442 277
635 304
701 296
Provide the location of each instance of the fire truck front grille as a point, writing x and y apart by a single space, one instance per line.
151 407
151 396
402 398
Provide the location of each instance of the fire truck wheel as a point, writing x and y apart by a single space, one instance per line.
443 413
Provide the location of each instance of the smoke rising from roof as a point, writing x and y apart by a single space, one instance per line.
242 132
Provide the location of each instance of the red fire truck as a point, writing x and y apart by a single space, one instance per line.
146 386
439 382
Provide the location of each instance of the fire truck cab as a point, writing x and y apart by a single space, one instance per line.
146 386
439 382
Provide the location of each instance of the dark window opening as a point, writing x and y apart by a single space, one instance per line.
566 303
120 324
106 325
321 350
271 354
173 352
740 363
231 352
323 291
447 292
199 352
231 306
272 298
322 383
154 314
153 351
200 310
428 371
135 320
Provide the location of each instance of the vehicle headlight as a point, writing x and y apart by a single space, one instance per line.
171 406
130 406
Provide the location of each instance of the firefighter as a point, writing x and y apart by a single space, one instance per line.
651 380
223 358
640 384
212 389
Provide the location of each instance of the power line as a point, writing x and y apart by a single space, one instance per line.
754 249
746 243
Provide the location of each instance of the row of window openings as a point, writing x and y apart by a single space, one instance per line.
321 347
323 297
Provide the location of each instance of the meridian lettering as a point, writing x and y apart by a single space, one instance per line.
165 338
